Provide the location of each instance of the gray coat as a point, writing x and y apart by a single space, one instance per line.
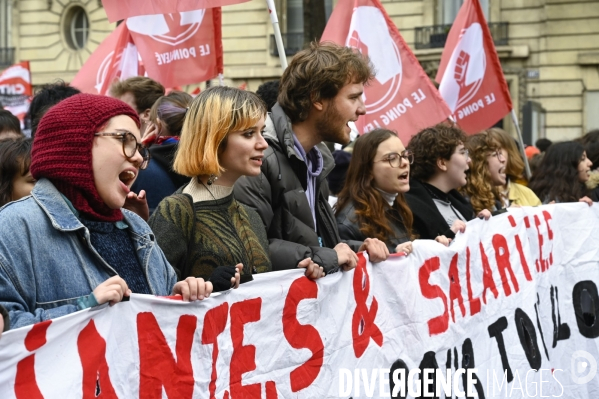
349 228
278 195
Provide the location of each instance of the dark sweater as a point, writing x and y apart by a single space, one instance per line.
115 247
428 221
349 227
218 233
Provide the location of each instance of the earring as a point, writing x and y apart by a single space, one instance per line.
212 179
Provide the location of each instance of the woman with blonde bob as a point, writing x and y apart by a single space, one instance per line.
512 193
203 230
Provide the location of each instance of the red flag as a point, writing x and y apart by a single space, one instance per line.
401 97
180 48
115 58
125 61
195 92
117 10
470 75
15 89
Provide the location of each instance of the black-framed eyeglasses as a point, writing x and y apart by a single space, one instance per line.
130 146
394 158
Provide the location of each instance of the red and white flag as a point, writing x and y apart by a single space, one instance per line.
180 48
401 97
195 92
15 89
116 58
470 75
117 10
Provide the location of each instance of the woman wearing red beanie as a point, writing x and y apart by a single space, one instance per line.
70 245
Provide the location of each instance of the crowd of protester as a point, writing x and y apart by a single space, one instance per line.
165 194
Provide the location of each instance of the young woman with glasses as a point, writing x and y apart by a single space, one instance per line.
440 165
76 247
512 193
487 173
371 203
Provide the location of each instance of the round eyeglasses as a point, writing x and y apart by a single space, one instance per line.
130 146
395 158
498 154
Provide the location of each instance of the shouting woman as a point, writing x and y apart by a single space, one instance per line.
75 246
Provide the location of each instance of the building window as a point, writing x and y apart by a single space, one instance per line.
295 14
449 10
293 33
76 28
591 105
328 8
534 118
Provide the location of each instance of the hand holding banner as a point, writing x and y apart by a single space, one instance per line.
510 308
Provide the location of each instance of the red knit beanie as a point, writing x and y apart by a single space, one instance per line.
62 150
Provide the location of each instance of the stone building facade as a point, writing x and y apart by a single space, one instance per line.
549 49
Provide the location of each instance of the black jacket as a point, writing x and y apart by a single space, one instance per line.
349 228
164 155
428 221
159 180
278 195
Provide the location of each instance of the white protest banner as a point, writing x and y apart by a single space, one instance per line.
510 308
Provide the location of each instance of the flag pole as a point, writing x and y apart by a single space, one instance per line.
526 165
278 38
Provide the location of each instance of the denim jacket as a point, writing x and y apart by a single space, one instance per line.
47 261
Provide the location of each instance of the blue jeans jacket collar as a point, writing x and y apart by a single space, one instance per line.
63 218
47 261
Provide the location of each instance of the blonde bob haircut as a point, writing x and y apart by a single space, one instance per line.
212 115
